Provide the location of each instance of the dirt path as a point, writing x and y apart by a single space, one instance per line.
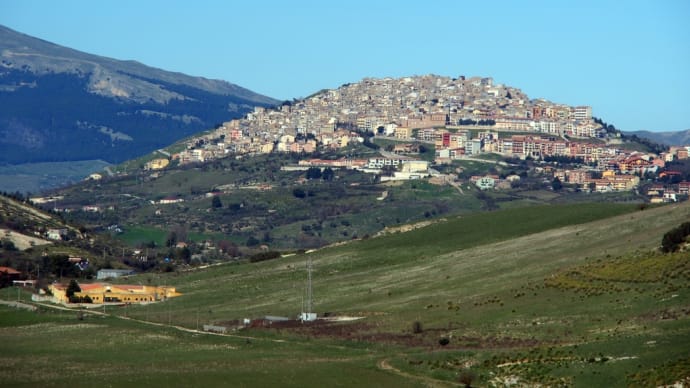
427 381
180 328
382 365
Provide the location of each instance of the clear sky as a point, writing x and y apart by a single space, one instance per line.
629 60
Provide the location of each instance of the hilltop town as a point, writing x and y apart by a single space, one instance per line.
461 117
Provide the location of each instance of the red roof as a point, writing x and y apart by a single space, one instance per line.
9 271
95 286
90 286
129 287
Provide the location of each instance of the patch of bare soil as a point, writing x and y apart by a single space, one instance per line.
22 241
666 314
361 331
408 227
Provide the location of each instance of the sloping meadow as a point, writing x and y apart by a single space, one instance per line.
538 295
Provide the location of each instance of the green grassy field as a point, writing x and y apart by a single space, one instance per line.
56 350
561 295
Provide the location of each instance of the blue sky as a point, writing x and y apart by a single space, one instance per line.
629 60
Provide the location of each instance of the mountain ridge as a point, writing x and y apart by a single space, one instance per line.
670 138
60 104
26 46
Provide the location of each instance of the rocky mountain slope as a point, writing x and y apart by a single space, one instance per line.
59 104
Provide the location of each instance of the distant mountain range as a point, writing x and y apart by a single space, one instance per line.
670 138
58 104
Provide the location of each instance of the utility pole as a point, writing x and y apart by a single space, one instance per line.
309 291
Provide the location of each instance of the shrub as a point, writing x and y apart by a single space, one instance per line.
299 193
466 377
8 245
253 241
263 256
675 237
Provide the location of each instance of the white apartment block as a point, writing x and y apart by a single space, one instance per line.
582 113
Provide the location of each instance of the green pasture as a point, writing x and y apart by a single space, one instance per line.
57 350
558 295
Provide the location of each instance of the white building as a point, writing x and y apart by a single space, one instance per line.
582 113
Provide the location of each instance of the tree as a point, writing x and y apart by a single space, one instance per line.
72 288
58 264
183 254
8 244
253 241
229 248
388 170
314 173
299 193
328 174
171 240
216 202
556 184
181 232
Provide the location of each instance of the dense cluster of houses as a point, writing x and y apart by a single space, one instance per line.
659 193
390 107
462 117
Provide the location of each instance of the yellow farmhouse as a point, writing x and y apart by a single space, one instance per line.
116 293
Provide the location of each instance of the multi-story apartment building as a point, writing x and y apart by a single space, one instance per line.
582 113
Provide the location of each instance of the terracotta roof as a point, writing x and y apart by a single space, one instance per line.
129 287
91 286
124 287
9 271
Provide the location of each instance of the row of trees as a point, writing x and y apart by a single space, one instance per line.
315 173
562 159
487 122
